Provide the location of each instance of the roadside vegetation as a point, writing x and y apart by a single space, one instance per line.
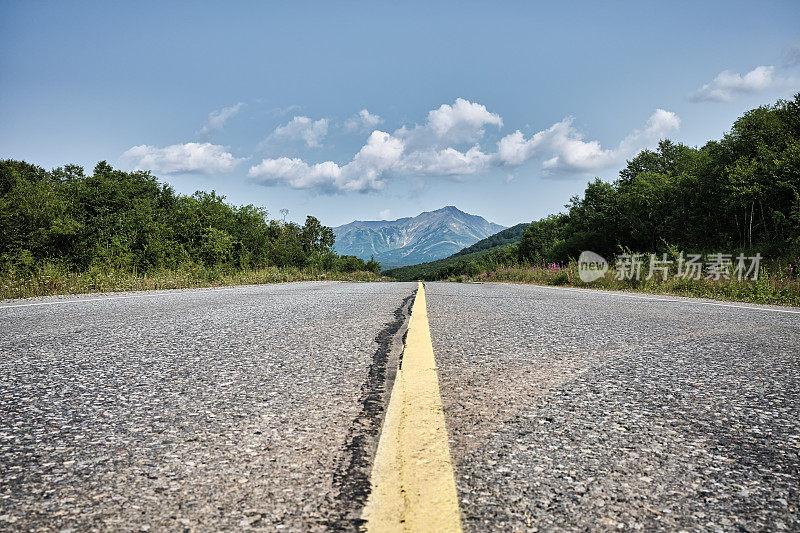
63 231
776 283
740 194
52 280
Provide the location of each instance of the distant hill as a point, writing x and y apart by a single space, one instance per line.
426 237
494 242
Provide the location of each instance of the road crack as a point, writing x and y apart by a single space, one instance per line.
351 481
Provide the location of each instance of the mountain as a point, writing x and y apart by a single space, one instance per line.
510 235
481 248
426 237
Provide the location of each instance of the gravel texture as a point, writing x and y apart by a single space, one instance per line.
202 410
259 408
582 410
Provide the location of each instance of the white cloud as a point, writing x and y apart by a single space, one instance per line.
514 149
563 148
447 145
216 120
446 162
296 173
464 119
728 85
660 124
362 121
422 150
385 214
189 158
573 154
302 128
363 173
462 122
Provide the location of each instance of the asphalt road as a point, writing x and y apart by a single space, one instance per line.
583 410
204 409
260 407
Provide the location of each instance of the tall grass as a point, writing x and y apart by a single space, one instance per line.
777 282
52 279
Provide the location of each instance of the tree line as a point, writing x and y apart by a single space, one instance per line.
741 192
131 222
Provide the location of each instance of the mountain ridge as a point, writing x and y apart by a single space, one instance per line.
426 237
430 270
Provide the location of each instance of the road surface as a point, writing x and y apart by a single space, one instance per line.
575 409
262 407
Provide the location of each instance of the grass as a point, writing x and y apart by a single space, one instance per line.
52 280
775 285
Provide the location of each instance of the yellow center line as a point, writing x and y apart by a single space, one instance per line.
412 485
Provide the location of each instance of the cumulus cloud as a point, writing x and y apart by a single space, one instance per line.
216 120
425 149
446 162
385 214
302 128
362 121
727 85
564 148
363 173
189 158
660 124
462 122
447 145
463 119
296 173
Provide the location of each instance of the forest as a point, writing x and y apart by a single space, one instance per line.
739 193
67 221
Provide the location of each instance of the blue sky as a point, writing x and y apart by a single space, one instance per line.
382 110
